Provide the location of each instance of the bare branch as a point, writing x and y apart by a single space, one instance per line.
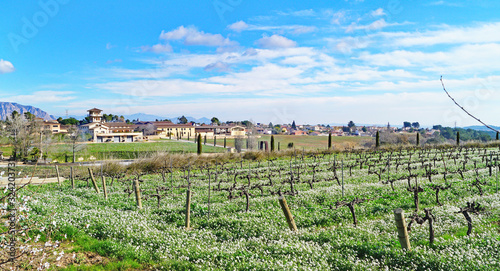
461 107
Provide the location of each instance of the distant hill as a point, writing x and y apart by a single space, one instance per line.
6 109
481 128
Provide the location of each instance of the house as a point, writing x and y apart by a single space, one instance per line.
101 131
205 131
223 131
49 125
169 129
298 132
237 131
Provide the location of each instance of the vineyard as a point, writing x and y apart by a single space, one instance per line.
215 213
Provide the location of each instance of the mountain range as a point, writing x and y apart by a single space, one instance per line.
7 108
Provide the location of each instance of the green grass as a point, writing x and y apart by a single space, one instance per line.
259 239
301 142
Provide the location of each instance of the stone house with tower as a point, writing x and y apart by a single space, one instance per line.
102 131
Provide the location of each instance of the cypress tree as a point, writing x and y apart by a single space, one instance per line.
199 144
329 140
224 142
497 136
215 141
205 139
458 138
377 140
418 139
272 143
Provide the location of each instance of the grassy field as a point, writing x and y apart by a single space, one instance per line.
230 231
100 151
103 151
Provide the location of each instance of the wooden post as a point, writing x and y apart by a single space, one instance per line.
209 179
288 214
93 181
104 187
402 230
72 178
188 208
137 189
58 177
342 178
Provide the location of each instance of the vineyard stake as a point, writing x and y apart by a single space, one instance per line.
137 189
58 178
72 178
404 240
209 179
171 182
188 208
104 185
342 177
93 181
288 214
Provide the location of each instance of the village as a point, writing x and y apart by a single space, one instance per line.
99 130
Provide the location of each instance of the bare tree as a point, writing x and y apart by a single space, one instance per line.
75 137
21 136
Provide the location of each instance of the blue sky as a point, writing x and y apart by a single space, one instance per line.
266 61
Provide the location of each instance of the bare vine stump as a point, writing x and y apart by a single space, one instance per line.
288 214
402 230
188 208
93 181
137 189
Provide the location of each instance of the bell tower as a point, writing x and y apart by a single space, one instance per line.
95 115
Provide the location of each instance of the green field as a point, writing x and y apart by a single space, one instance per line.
104 151
230 231
302 142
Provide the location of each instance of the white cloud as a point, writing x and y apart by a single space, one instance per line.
6 66
192 36
157 48
293 29
46 96
465 59
482 33
276 41
378 12
338 17
218 66
238 26
376 25
302 29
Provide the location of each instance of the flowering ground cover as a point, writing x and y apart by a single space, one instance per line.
240 225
